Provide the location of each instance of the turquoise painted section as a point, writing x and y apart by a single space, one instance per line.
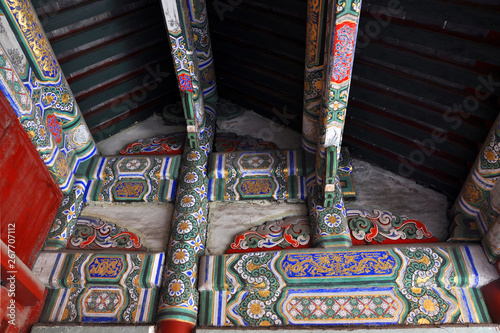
360 285
243 175
112 54
40 96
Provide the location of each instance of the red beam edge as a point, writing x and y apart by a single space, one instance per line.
27 287
491 295
169 326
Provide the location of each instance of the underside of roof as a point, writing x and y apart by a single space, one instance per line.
424 90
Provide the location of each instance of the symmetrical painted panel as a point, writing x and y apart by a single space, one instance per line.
275 174
407 285
103 288
100 304
31 79
132 178
71 269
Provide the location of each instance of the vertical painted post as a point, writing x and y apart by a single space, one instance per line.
341 31
203 44
178 307
329 227
37 91
176 13
477 208
187 26
313 79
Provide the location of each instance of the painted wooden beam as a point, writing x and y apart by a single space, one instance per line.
182 45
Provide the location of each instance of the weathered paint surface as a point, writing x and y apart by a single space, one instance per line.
360 285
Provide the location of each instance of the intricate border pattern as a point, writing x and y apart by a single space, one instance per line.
179 297
291 232
41 97
407 285
274 174
183 47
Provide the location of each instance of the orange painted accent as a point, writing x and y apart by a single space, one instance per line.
491 295
171 326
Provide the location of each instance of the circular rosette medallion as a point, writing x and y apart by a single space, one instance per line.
178 289
182 257
186 228
189 202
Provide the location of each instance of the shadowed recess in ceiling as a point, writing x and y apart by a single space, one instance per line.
115 56
419 66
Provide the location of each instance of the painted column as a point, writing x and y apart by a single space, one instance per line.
183 50
33 82
329 225
477 207
313 77
178 307
491 240
325 97
341 31
202 42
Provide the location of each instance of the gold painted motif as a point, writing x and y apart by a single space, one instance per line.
313 31
338 264
473 193
62 167
34 37
256 187
101 267
130 189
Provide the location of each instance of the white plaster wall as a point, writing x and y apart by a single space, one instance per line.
227 219
150 221
153 126
377 188
250 123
